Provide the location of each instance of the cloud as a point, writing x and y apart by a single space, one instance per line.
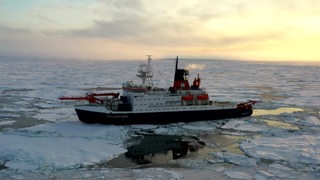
6 29
185 24
134 24
46 19
194 66
181 26
117 29
207 10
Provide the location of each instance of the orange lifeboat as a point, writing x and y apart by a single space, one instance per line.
187 98
203 97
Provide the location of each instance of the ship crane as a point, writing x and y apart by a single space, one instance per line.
247 105
91 98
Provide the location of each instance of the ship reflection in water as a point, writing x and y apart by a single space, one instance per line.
154 149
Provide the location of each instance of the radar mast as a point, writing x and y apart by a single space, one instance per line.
145 73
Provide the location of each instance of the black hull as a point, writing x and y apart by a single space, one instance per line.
160 117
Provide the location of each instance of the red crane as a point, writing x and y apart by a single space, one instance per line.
90 97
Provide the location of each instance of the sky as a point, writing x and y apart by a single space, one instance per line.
267 30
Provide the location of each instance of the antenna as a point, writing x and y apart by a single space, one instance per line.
177 63
145 73
149 59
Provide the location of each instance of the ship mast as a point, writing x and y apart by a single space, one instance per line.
145 73
180 78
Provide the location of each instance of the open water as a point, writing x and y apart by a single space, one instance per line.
40 137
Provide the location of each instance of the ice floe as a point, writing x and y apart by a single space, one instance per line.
55 146
241 125
294 149
236 159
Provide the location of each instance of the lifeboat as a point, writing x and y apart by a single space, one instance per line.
187 98
203 97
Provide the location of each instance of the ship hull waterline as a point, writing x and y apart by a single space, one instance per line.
91 117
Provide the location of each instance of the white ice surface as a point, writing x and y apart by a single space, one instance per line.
237 175
236 159
247 126
293 148
59 145
6 122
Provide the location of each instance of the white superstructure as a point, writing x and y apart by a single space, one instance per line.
147 98
146 104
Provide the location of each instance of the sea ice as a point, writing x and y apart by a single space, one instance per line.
242 125
313 120
294 149
237 175
6 122
29 89
60 145
236 159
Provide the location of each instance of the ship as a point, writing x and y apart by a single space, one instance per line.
146 104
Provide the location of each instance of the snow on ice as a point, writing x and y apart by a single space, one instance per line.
295 148
60 145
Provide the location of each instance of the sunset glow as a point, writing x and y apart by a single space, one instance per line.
266 30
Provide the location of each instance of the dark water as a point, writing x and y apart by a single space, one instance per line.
153 149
